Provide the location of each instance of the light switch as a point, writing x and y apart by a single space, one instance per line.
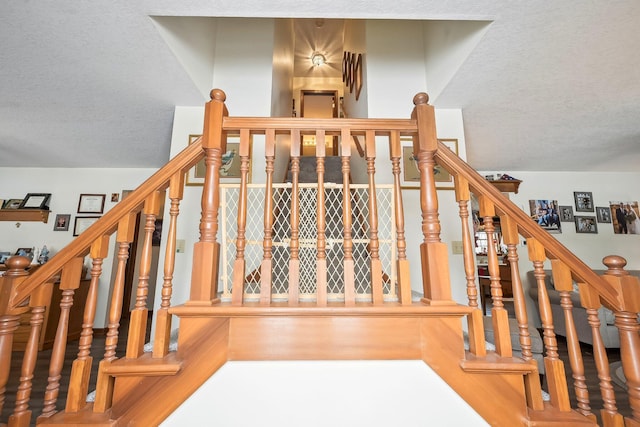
180 246
456 247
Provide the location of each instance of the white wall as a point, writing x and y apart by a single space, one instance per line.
328 393
65 185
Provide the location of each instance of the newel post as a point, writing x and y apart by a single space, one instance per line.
204 276
9 317
433 253
627 287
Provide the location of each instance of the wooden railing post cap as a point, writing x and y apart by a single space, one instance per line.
421 98
615 265
218 95
17 265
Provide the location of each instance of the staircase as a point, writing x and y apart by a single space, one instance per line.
251 320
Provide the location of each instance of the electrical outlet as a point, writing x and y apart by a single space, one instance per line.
456 247
180 246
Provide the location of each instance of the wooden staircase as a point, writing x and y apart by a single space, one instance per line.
143 387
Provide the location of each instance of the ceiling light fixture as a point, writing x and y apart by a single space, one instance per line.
318 59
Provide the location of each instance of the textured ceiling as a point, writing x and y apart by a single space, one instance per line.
550 86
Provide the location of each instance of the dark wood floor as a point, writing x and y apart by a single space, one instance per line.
42 368
592 380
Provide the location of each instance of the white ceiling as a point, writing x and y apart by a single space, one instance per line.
550 86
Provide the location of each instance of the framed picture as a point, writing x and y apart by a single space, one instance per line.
545 213
82 223
26 252
603 214
35 201
4 256
411 173
91 203
62 222
586 224
12 204
584 201
625 217
566 213
230 167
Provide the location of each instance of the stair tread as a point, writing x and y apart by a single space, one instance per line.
493 362
144 365
551 416
85 416
302 309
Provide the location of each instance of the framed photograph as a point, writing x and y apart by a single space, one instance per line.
586 224
82 223
230 167
62 222
115 197
35 201
410 179
566 213
545 213
584 201
4 256
26 252
12 204
91 203
625 217
603 214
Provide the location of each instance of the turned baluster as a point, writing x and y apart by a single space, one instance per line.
204 272
476 325
404 276
9 318
563 283
627 287
590 300
433 253
81 368
374 244
462 196
104 383
294 244
69 282
510 238
239 265
139 314
349 273
499 315
267 241
554 368
163 318
321 257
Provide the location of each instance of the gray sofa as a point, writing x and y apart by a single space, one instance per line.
608 331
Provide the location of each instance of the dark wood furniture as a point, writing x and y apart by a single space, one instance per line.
485 283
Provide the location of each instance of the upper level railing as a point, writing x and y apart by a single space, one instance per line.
253 280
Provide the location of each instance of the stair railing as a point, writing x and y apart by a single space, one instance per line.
22 293
616 289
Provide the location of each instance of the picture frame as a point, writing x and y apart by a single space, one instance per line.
566 213
410 177
26 252
625 216
545 213
230 168
81 223
586 224
62 222
4 256
35 201
91 203
603 214
583 201
12 204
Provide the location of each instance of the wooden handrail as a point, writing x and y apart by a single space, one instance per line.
528 228
109 221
